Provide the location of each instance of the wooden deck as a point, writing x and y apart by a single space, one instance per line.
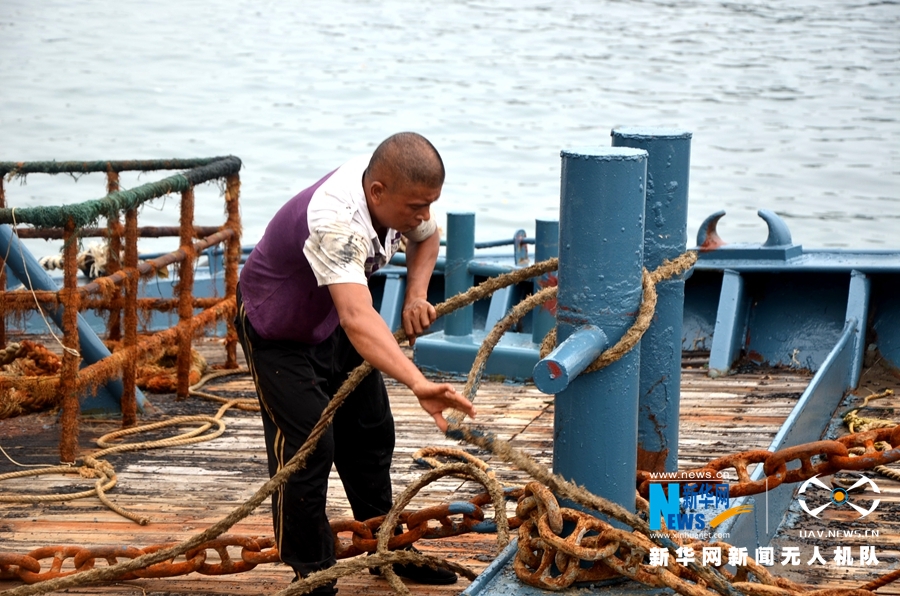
185 489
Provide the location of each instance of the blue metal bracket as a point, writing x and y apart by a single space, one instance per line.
805 423
561 366
520 248
731 324
778 244
392 299
858 310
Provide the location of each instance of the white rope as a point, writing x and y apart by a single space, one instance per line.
66 348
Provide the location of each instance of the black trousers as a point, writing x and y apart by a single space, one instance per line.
294 383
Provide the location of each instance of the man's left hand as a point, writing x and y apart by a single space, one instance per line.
437 397
418 315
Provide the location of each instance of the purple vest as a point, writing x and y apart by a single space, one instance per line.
281 296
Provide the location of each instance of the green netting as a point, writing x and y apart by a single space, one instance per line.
84 167
89 212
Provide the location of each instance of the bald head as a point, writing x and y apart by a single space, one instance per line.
407 158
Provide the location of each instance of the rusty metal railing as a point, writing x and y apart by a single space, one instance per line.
117 292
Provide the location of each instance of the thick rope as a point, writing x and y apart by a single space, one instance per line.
393 517
667 270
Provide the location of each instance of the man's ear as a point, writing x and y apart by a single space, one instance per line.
376 192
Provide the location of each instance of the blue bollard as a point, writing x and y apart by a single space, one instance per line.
554 372
457 277
546 246
601 252
107 399
665 237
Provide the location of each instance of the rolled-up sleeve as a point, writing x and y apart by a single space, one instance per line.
423 231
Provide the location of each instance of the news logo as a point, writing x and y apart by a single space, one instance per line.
694 507
840 496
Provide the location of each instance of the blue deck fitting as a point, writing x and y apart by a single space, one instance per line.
108 398
457 277
665 237
546 246
731 324
858 310
778 244
453 349
392 299
601 252
557 369
886 317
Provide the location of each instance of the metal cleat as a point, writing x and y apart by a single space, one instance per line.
778 245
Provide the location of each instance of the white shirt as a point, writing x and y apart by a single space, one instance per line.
343 246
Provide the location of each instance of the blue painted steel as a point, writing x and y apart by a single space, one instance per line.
501 302
546 247
731 324
520 248
811 260
858 310
778 245
464 507
795 318
554 372
886 318
805 423
491 572
392 299
490 268
107 399
514 357
701 301
665 237
601 252
458 278
779 234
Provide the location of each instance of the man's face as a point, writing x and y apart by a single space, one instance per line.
403 206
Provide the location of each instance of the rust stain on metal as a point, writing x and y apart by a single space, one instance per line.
129 372
555 370
651 461
713 240
549 280
68 440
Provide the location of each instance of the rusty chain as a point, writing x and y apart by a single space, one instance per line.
256 550
595 550
833 456
544 559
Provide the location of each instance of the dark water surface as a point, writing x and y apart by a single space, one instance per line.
794 105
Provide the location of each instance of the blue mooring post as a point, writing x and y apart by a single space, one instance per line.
600 256
546 246
665 237
457 279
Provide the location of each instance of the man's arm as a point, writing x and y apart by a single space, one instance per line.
418 313
371 337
